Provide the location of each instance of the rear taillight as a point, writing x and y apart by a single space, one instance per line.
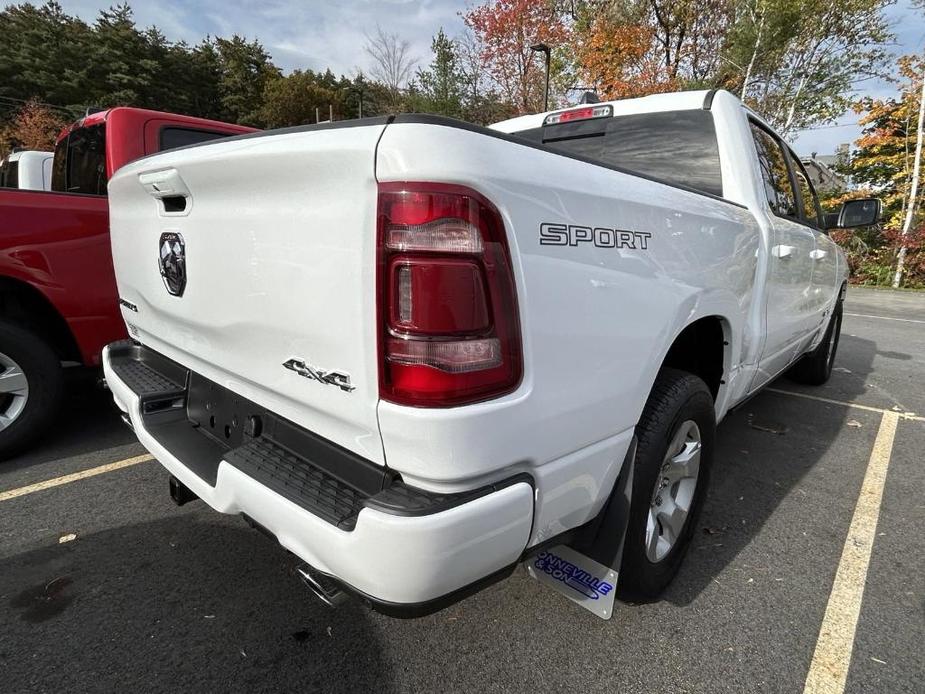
449 333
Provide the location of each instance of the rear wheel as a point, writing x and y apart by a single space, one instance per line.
815 368
673 458
31 387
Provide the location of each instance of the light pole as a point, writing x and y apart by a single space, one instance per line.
543 48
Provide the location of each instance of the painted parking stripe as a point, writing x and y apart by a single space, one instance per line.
73 477
911 416
828 671
900 320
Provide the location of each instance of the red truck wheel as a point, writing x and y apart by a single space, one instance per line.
31 387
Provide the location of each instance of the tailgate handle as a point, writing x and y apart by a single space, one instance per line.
169 189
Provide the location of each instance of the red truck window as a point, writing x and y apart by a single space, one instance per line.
172 138
80 162
9 174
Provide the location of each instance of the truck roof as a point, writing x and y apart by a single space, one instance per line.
674 101
143 114
28 154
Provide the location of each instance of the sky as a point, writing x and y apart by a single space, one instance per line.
318 35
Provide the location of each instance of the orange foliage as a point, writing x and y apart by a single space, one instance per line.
34 127
620 59
505 30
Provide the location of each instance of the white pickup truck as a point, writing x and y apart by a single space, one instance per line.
418 352
26 170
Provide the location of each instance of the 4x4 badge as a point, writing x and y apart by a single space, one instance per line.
172 261
332 378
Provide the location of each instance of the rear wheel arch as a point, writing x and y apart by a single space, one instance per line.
702 348
26 306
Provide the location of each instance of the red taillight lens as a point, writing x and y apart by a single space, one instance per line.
449 332
438 298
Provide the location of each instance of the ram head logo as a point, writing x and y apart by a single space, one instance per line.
172 260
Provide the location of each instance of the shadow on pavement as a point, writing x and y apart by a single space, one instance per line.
764 450
89 421
180 604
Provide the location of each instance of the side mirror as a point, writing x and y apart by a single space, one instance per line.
858 213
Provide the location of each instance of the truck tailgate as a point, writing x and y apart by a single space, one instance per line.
277 301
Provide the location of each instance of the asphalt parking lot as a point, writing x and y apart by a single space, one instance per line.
152 597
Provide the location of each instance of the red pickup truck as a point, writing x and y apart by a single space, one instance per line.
58 299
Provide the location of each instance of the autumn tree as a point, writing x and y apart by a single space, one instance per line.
883 158
505 30
629 48
35 126
882 165
618 59
797 61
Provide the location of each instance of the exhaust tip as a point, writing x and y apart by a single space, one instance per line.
324 588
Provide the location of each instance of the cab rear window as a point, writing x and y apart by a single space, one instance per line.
676 147
9 174
172 137
80 162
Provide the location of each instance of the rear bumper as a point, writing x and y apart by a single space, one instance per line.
406 550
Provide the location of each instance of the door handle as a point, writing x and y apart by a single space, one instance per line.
783 251
818 254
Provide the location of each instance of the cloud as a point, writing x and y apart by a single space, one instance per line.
298 34
319 35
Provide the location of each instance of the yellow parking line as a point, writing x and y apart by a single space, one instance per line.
832 657
73 477
911 416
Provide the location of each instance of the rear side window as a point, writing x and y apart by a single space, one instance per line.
80 162
59 166
810 203
9 174
172 138
677 147
773 165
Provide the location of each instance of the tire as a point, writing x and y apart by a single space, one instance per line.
25 413
653 549
815 368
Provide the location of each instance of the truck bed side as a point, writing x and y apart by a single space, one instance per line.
57 244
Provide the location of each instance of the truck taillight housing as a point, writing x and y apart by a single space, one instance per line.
449 332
